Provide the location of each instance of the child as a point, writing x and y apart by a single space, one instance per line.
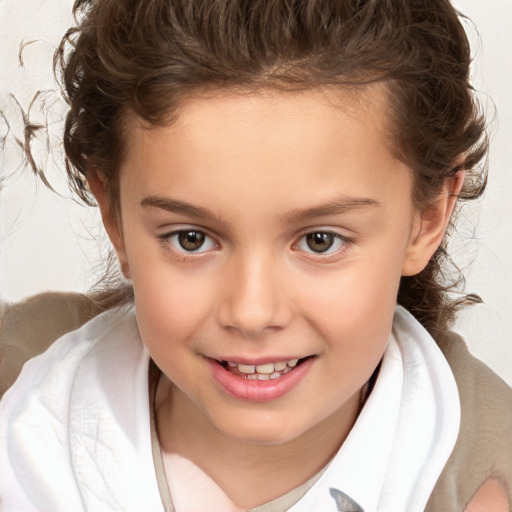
275 177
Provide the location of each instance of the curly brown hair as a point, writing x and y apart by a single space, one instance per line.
143 57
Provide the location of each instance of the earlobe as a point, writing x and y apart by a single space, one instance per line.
430 226
109 216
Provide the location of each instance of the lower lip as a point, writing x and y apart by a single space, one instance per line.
259 390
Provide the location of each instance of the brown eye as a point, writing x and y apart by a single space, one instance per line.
191 240
320 241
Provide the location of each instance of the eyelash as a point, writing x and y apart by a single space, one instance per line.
171 241
328 255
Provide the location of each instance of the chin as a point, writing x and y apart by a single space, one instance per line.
265 432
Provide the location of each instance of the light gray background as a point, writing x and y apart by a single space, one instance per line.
49 242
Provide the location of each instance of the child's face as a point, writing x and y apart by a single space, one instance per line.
264 229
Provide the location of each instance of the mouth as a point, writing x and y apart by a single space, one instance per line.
262 380
266 371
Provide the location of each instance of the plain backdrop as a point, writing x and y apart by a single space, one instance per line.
50 242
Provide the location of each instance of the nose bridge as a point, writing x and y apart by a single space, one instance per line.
254 299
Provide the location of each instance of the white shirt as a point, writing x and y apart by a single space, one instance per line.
404 435
75 427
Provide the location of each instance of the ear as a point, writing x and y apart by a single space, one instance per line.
97 184
430 226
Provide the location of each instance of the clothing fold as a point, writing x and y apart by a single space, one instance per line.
75 427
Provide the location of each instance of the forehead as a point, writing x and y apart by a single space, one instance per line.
199 113
324 139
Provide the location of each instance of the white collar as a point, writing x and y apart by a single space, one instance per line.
404 435
105 432
74 428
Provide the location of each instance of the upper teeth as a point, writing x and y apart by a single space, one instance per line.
264 369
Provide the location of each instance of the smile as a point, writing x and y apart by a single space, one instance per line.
267 371
260 382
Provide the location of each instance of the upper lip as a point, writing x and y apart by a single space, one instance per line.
257 360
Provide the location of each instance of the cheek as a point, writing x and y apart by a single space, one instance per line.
360 291
353 309
170 305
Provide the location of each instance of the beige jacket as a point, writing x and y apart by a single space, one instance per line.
483 448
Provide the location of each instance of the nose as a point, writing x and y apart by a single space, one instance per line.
254 300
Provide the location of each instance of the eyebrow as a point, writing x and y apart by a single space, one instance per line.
175 206
337 206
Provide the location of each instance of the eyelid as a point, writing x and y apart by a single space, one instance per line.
347 242
165 240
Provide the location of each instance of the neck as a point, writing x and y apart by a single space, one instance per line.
185 432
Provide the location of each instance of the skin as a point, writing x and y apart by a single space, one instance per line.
491 496
269 168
